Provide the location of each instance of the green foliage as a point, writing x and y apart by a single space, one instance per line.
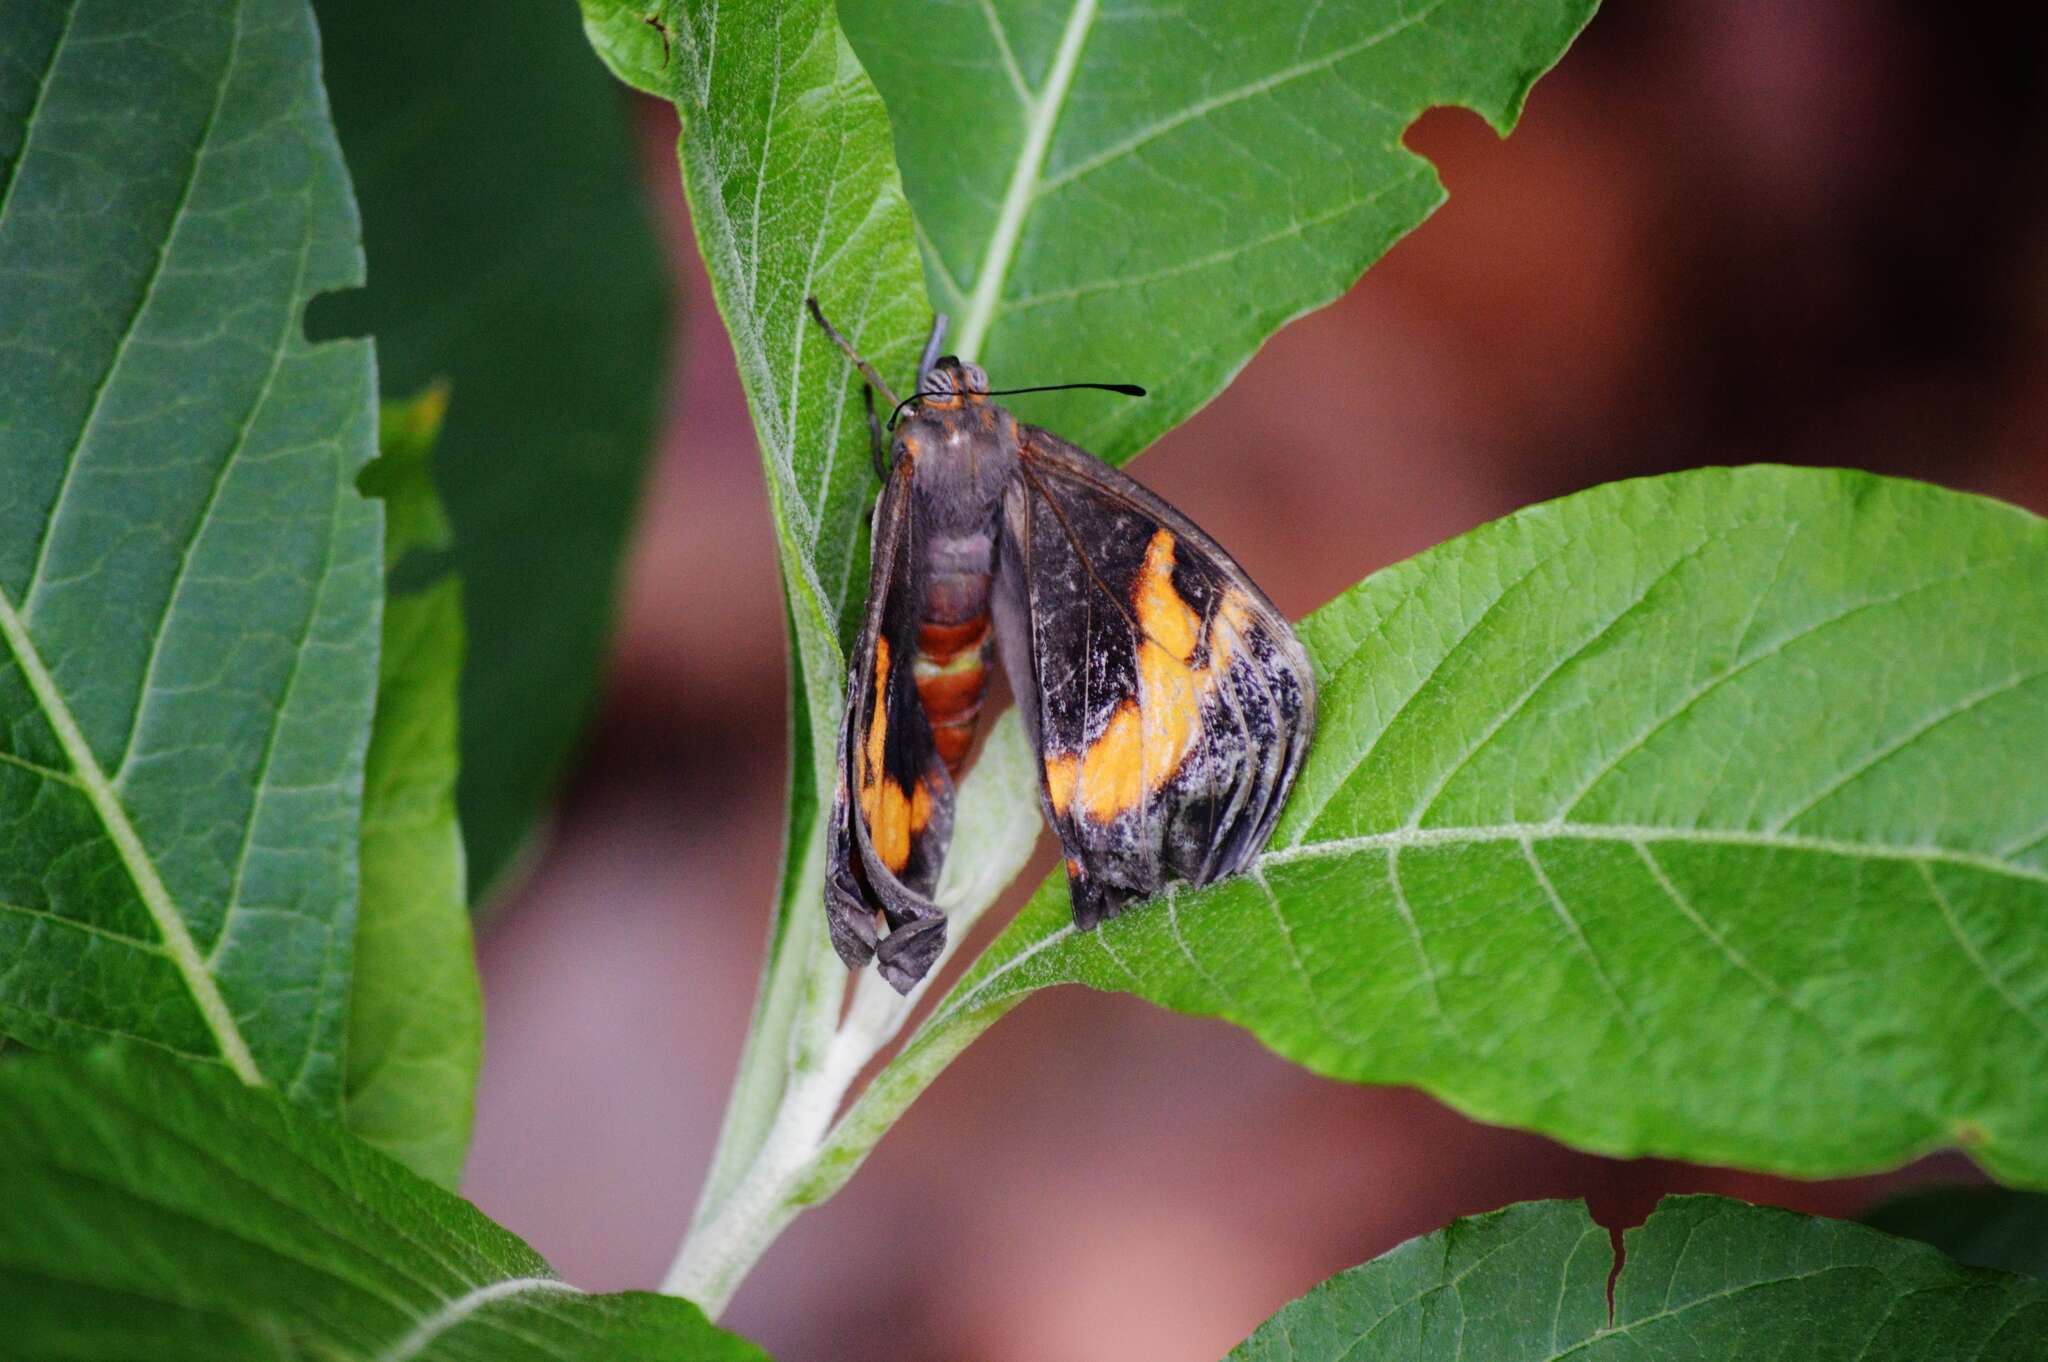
416 1010
189 580
793 191
154 1209
511 254
630 37
1703 1278
1115 189
785 154
1697 815
1981 1226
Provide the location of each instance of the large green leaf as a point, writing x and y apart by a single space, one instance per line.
1701 815
1982 1226
415 1034
152 1209
786 162
1703 1278
189 581
1116 189
511 254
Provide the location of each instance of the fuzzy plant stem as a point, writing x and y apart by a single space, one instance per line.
784 1145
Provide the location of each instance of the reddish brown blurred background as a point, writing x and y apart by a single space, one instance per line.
1725 232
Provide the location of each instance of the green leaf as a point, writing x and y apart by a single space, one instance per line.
630 36
155 1209
189 582
416 1010
1702 1278
793 192
1119 190
1699 815
511 254
1981 1226
786 160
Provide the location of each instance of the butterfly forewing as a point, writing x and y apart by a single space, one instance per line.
1169 701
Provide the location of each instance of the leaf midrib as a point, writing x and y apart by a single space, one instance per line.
1482 833
459 1310
178 944
1251 89
981 992
1041 115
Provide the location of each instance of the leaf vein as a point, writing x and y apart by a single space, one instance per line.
1577 932
35 109
995 29
1905 740
142 872
1995 981
1621 833
81 925
72 459
1423 683
1251 89
456 1311
1429 800
1043 115
1649 732
228 464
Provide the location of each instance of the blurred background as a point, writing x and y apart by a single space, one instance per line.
1723 233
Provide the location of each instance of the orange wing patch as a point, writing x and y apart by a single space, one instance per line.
1062 769
1148 737
878 733
894 815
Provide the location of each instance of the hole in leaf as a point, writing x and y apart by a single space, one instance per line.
343 314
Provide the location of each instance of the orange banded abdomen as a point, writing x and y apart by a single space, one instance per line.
952 673
953 641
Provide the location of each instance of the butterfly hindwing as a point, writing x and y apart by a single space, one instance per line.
1169 701
892 807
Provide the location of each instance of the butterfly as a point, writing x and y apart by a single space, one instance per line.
1168 702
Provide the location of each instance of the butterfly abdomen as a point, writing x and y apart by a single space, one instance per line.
953 640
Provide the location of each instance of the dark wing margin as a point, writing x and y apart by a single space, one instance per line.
1168 700
892 805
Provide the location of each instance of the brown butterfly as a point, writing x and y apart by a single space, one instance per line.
1169 702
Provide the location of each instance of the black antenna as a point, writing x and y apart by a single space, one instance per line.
1126 389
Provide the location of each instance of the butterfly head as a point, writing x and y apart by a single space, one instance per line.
950 383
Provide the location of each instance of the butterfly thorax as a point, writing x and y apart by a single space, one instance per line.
963 451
